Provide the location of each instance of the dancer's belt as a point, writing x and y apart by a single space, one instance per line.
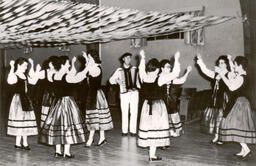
150 102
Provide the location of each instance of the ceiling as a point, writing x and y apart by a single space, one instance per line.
52 23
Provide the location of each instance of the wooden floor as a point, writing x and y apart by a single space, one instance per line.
192 148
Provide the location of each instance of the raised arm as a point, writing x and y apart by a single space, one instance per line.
142 66
182 79
80 76
231 64
35 75
73 68
12 78
138 79
41 74
203 67
31 72
164 79
94 69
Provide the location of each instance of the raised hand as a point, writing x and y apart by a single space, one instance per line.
31 61
198 56
38 67
73 60
12 62
92 61
142 54
189 69
199 59
85 56
229 57
88 62
177 55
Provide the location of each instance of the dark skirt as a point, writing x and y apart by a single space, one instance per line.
211 120
99 118
64 123
48 99
240 124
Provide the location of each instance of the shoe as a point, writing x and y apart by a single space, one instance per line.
213 142
58 155
171 133
246 156
219 143
124 134
69 156
133 134
18 147
164 147
216 142
238 155
175 135
87 146
102 143
26 147
155 159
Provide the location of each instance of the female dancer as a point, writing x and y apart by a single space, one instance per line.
49 95
154 125
97 112
170 96
22 120
64 124
239 121
213 114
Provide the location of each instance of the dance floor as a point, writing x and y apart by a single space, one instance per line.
191 149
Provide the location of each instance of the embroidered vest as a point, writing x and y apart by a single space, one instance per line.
129 79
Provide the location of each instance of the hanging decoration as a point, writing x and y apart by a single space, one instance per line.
44 23
195 37
65 48
27 50
138 42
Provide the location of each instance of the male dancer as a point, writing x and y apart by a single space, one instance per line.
127 78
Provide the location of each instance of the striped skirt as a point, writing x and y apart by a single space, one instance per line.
64 123
211 119
48 99
154 129
100 118
21 123
240 124
44 113
175 123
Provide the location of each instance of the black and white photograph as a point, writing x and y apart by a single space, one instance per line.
128 83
